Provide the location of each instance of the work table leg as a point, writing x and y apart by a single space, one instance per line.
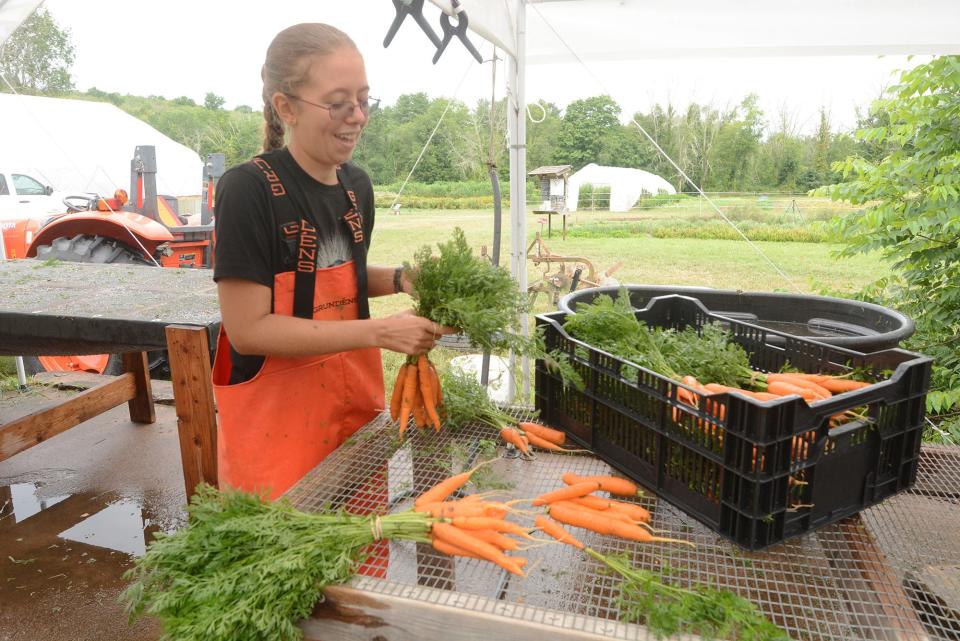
141 405
189 353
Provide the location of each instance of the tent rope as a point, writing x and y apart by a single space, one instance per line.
432 134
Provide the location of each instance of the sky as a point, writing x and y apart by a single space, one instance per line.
178 48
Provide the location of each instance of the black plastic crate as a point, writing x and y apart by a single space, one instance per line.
765 471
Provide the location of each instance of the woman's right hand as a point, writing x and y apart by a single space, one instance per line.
407 333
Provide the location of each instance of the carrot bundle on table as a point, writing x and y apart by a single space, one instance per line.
248 568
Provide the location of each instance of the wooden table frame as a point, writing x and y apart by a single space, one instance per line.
188 349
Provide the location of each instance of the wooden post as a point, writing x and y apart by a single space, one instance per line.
141 405
189 353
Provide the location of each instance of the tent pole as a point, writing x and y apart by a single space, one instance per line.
517 124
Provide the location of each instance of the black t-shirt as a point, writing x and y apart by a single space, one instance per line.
249 240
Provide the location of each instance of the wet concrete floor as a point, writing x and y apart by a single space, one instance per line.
74 512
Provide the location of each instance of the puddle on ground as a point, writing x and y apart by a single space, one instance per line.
19 501
105 521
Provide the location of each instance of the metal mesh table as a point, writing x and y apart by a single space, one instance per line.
890 573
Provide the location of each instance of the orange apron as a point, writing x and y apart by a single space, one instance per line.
275 427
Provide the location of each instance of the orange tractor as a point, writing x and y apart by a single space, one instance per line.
144 230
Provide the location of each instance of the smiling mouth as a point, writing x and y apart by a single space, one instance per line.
348 137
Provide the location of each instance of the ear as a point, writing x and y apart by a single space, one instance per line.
284 108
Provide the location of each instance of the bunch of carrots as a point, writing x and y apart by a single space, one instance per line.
417 392
477 528
810 387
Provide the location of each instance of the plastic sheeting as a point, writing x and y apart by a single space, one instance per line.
84 146
626 185
637 29
12 13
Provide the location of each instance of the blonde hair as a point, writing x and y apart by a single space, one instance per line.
287 68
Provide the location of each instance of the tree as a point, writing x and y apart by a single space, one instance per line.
213 101
585 124
36 59
910 212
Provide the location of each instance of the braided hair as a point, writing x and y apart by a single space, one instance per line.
287 67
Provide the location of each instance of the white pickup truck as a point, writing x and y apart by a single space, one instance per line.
24 196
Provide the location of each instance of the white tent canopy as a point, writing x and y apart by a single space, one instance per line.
83 146
637 29
626 185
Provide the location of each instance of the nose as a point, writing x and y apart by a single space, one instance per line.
356 114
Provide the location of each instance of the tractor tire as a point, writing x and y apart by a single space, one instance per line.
90 249
97 249
32 365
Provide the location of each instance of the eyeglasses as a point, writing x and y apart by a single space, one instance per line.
342 110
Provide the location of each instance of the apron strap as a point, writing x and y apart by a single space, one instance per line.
358 248
300 235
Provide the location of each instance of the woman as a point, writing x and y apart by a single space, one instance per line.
298 365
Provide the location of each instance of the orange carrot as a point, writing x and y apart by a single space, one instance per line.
489 523
453 550
799 382
592 502
496 538
570 515
613 484
598 523
816 378
543 443
631 510
557 531
450 509
569 492
782 388
397 397
841 385
438 393
637 533
607 514
445 488
426 389
686 396
547 433
409 395
455 536
513 437
419 414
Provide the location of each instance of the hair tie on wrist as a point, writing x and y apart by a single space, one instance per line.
397 284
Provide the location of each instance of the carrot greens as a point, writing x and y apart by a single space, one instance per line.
670 609
707 354
246 568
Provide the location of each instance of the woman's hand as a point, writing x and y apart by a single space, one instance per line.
408 333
